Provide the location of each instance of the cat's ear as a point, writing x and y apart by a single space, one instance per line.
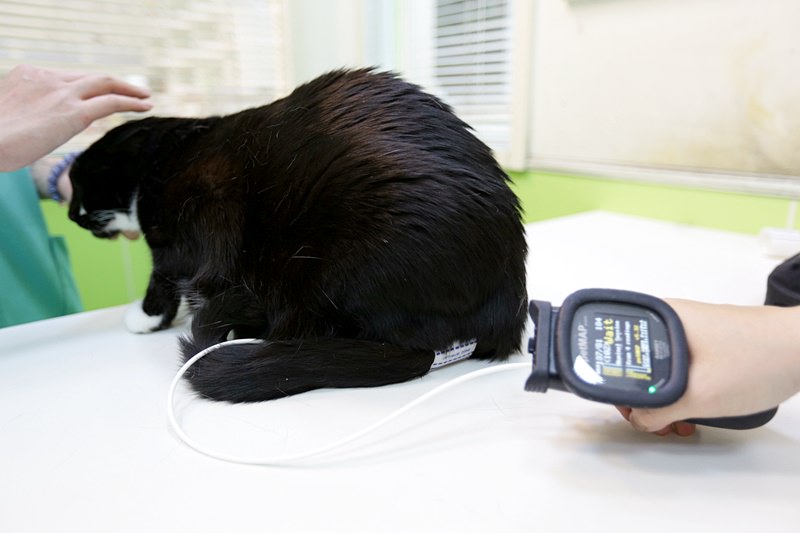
146 136
131 138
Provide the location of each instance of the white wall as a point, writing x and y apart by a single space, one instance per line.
325 35
711 84
390 34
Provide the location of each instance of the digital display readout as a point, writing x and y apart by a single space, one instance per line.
619 349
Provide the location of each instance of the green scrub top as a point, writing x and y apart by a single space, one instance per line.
35 277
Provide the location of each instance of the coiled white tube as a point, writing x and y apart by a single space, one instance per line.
294 458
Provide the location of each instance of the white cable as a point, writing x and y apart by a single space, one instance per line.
297 457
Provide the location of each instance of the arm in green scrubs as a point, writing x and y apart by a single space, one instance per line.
36 281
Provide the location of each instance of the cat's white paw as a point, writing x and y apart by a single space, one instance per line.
137 321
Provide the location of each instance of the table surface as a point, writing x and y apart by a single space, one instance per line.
85 444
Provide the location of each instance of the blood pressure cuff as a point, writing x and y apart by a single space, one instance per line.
783 284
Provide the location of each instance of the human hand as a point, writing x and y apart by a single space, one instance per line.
743 360
42 109
684 429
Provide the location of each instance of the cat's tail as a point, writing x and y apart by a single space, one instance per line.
272 369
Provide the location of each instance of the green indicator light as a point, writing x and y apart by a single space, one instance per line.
652 389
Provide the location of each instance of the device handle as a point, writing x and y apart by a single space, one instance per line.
539 346
737 422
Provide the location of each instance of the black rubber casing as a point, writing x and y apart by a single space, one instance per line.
551 351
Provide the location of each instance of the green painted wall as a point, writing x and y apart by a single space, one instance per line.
107 272
115 272
546 195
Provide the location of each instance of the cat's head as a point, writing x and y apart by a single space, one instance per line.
107 176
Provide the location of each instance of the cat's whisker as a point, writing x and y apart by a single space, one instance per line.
329 299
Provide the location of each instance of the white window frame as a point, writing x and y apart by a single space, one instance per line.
187 53
400 36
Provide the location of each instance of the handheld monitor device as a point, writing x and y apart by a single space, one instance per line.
619 347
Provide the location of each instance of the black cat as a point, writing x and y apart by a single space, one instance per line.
356 226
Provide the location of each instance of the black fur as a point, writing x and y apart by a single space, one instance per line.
356 226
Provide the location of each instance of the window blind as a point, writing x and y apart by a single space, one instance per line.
199 57
473 65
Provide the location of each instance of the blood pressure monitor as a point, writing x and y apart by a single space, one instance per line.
619 347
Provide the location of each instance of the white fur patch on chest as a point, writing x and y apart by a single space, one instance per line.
122 221
117 221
